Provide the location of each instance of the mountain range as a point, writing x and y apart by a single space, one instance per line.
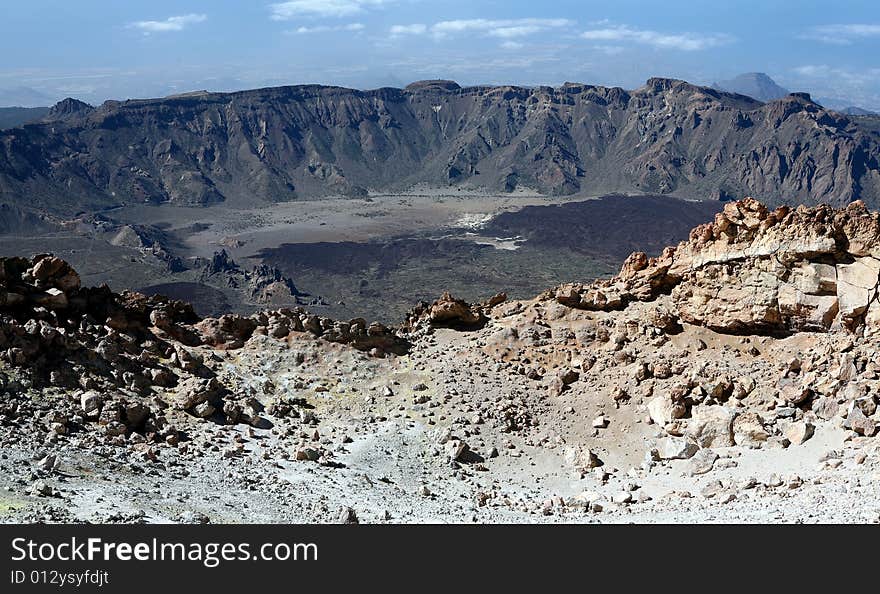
296 142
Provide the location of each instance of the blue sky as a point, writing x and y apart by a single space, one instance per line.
95 50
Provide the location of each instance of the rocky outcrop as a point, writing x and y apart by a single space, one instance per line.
758 270
68 336
264 284
667 137
449 312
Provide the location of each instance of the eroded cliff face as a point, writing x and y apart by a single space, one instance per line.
282 143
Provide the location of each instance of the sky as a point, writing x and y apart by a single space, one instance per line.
97 50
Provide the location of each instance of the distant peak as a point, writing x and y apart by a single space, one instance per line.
68 107
753 84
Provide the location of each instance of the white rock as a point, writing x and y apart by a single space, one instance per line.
677 448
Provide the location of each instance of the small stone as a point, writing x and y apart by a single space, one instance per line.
91 403
456 449
727 497
569 376
307 454
582 459
42 489
712 489
749 431
712 426
347 515
774 481
662 410
47 463
203 410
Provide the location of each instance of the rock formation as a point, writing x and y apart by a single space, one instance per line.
265 285
756 271
64 336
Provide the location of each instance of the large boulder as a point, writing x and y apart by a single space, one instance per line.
712 426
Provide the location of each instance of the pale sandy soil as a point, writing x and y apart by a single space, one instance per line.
243 233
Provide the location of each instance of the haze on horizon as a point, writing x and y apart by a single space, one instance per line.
97 50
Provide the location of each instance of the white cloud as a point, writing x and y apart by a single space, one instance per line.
175 23
512 45
679 41
350 27
285 11
813 70
842 34
839 75
609 50
414 29
499 28
841 85
502 28
517 31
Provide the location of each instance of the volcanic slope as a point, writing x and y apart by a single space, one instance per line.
731 378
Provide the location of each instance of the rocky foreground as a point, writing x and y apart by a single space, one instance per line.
732 378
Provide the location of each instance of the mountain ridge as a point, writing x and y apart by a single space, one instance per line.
294 142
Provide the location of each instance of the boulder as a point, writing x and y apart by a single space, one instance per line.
701 462
749 431
581 459
860 423
857 285
662 409
799 432
449 311
676 448
194 391
456 449
711 426
90 402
